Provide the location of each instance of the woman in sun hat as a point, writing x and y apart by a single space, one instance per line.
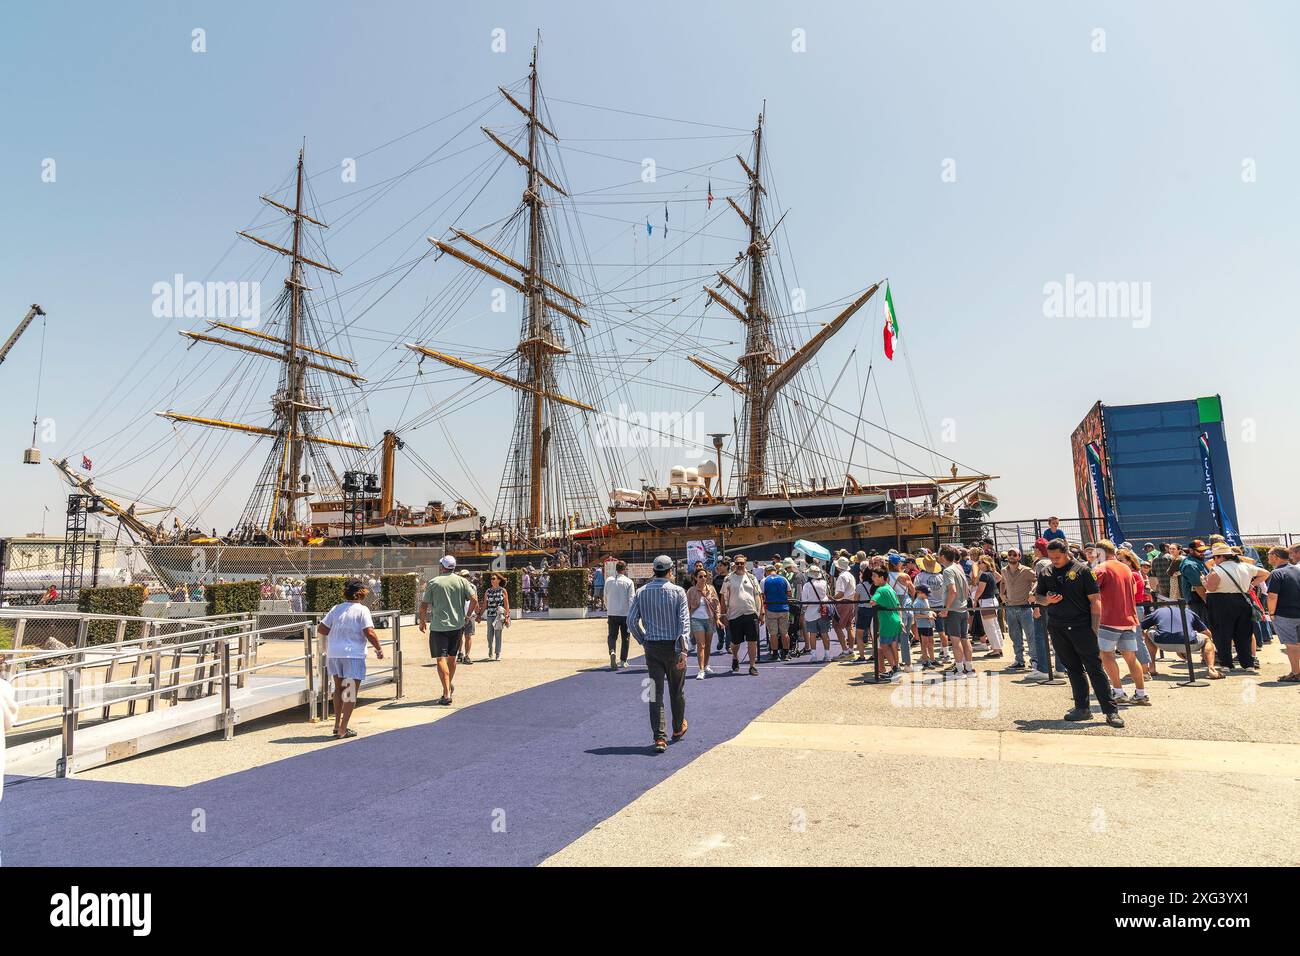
1227 591
817 615
846 584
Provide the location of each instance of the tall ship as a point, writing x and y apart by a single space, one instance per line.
793 464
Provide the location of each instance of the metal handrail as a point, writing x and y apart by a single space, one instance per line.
219 674
25 657
44 611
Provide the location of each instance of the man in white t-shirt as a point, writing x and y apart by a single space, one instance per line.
347 627
952 609
742 606
846 586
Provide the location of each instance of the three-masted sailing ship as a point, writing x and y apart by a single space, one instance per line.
773 486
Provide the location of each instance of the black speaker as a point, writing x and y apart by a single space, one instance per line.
970 522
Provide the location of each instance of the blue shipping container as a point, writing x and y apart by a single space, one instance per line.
1156 477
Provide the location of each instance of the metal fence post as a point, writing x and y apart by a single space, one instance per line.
155 665
71 691
397 650
309 664
227 712
325 699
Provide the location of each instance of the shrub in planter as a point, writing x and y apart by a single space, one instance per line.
568 587
514 587
323 593
234 597
398 592
126 601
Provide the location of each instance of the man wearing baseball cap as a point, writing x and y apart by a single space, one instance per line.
443 608
659 620
1192 574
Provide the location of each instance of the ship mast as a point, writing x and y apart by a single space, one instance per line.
538 359
758 334
762 371
540 342
273 508
294 397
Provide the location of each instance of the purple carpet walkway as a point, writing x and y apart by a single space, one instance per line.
506 782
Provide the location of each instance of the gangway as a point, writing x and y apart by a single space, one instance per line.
159 682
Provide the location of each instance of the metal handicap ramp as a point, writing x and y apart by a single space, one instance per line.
206 680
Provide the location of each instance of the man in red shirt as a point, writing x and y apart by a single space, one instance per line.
1118 633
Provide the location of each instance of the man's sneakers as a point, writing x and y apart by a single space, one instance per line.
681 733
1015 666
701 675
1139 700
613 663
660 745
623 664
735 664
1078 714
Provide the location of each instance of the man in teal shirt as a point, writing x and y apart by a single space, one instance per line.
443 609
1192 571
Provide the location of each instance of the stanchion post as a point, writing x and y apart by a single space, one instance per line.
1187 645
1047 647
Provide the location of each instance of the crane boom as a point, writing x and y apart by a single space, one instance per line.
32 313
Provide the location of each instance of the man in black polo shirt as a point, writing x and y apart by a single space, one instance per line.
1073 602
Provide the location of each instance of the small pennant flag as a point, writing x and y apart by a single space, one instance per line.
649 229
710 205
85 463
891 324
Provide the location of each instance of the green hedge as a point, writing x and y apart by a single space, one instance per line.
568 587
398 591
321 594
126 601
514 588
234 597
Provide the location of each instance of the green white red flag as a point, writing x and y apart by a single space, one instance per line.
891 324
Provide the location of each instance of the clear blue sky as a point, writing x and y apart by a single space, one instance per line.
1123 165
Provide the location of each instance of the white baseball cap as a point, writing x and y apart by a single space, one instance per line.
448 562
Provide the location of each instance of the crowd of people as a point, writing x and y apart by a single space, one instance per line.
1100 611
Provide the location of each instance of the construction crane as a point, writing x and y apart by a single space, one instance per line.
32 313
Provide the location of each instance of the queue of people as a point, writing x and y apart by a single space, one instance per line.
1108 614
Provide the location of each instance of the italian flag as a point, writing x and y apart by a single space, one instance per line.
891 324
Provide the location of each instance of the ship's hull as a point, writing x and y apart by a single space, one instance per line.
759 542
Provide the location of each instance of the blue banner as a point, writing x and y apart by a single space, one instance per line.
1222 523
1099 489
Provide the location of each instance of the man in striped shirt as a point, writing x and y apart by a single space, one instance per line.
658 619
